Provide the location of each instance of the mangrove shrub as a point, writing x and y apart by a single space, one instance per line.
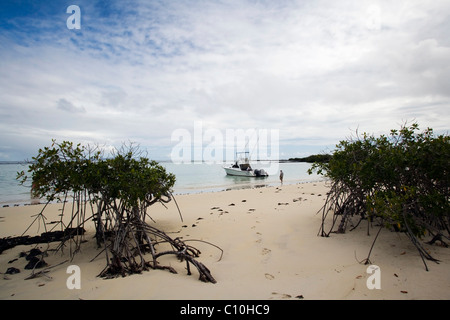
401 180
114 193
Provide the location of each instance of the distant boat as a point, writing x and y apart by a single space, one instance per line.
242 167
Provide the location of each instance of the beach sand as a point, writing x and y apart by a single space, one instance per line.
271 250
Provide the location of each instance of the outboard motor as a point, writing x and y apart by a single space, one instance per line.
260 173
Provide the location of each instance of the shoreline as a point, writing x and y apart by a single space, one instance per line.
271 251
15 195
223 188
181 191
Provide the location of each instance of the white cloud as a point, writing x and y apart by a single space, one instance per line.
140 70
68 106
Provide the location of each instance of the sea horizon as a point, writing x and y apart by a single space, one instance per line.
191 177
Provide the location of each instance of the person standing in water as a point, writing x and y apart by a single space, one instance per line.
281 176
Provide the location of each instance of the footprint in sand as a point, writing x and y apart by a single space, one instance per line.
266 254
259 240
269 276
287 296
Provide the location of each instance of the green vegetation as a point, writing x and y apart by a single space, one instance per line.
313 158
115 194
401 180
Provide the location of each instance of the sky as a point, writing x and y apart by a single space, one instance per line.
313 72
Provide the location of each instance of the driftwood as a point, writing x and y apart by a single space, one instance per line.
43 272
45 237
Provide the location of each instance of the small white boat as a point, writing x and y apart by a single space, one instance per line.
243 168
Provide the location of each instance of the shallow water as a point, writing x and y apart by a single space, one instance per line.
190 178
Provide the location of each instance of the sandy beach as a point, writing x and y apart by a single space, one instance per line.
270 245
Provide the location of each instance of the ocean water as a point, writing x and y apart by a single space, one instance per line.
11 192
190 178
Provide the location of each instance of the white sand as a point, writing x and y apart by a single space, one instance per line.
271 251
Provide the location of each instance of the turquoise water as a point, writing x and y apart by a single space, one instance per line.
190 178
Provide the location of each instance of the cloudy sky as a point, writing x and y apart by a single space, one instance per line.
314 71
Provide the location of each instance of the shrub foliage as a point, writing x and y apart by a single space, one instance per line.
402 180
115 194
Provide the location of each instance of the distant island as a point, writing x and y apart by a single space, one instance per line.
312 158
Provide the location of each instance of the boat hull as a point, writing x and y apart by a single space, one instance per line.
243 173
239 172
